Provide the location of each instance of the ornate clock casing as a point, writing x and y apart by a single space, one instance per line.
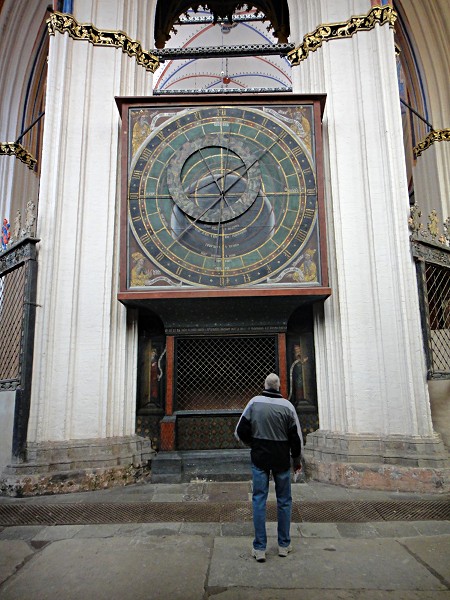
222 194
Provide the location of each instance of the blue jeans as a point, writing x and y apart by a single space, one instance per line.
284 506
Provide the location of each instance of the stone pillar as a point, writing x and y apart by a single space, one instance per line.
372 389
83 401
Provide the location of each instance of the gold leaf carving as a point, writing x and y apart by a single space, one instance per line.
17 150
435 135
64 23
332 31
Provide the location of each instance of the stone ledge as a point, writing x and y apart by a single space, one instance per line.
210 465
380 477
66 482
78 465
407 451
369 461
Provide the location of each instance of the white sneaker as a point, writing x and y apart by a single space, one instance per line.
284 551
260 555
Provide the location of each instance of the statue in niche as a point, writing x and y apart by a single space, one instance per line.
16 228
29 218
297 376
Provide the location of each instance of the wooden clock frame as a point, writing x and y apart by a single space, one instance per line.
132 296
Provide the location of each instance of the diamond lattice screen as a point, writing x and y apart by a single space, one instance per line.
438 296
11 321
222 373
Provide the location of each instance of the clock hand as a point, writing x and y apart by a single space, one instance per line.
241 175
226 163
194 222
218 227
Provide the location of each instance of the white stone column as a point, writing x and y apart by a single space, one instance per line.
371 376
84 379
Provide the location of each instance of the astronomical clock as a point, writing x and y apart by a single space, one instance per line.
222 194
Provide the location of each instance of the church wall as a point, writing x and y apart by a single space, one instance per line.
371 374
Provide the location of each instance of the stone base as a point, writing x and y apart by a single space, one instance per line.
210 465
78 466
397 463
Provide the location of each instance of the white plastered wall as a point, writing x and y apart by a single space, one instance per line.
85 353
370 363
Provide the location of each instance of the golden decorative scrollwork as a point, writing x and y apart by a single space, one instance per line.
312 41
435 135
17 150
65 23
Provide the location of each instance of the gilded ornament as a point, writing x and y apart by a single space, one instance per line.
446 226
432 233
324 33
65 23
435 135
17 150
414 219
433 224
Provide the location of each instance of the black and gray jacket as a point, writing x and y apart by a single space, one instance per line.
270 426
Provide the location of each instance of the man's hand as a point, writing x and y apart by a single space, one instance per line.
297 465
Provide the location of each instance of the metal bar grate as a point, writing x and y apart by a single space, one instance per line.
12 289
438 299
222 373
222 512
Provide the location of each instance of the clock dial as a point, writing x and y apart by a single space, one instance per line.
224 196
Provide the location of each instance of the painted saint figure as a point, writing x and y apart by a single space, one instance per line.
308 267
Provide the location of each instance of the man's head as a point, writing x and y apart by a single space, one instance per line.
272 382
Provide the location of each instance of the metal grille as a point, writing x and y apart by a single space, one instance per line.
202 511
222 373
12 287
437 280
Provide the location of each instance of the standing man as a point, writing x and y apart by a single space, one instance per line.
270 426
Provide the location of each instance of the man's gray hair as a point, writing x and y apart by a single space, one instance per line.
272 382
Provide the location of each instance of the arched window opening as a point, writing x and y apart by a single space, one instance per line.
415 117
32 123
222 47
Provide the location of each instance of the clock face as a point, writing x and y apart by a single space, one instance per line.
223 196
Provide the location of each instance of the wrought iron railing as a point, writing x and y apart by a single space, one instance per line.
431 251
18 271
